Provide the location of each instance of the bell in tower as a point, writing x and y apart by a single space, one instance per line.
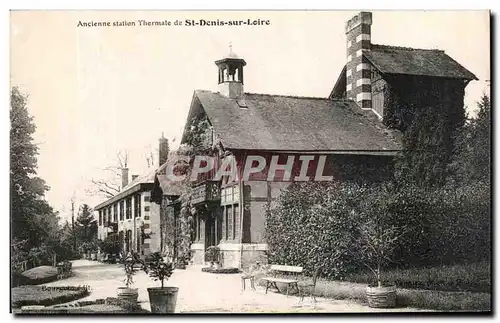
231 75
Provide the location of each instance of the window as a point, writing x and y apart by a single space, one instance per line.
128 208
122 206
137 210
236 225
230 194
147 198
100 217
229 221
111 215
230 198
115 212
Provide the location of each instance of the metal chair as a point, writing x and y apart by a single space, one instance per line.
309 286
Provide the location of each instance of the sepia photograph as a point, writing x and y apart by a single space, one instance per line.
169 162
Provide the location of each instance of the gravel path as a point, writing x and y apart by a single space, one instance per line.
203 292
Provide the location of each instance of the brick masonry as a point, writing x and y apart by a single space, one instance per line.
358 84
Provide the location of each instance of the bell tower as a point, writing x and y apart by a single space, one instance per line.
231 75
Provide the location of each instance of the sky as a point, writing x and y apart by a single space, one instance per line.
94 91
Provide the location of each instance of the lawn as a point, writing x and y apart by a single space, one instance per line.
444 288
474 277
42 295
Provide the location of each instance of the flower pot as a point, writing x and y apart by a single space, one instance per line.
128 295
381 297
163 300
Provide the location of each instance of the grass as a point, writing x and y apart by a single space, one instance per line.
42 295
474 277
455 278
220 270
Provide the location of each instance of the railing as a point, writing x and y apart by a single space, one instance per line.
206 192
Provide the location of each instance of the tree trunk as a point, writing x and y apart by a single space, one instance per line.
379 282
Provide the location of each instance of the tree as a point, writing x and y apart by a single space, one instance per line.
110 184
428 145
85 225
472 158
32 218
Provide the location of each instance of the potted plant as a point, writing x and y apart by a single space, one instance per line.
377 239
212 256
162 299
130 263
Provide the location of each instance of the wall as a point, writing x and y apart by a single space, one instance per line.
405 94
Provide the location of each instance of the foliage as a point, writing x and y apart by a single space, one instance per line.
212 254
130 264
429 120
85 226
41 295
472 158
39 275
312 223
111 244
159 270
198 134
377 234
33 220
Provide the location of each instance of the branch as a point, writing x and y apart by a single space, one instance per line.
102 187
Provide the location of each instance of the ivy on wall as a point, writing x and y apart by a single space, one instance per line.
429 112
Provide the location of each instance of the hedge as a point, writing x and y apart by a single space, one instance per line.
311 223
43 295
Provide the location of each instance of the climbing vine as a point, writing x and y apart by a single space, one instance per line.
429 119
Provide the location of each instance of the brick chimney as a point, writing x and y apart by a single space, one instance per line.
163 150
124 177
358 70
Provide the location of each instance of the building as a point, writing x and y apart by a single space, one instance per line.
350 127
381 78
130 213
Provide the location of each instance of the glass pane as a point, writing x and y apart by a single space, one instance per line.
236 221
229 222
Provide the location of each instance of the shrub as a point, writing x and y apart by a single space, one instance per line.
39 275
159 270
212 254
314 223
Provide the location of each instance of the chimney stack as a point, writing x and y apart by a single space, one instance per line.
358 68
163 150
124 177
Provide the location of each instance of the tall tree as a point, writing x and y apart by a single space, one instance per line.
31 215
472 159
85 225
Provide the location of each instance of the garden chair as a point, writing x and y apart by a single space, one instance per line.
309 286
249 275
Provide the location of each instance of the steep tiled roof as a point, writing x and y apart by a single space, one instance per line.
412 61
288 123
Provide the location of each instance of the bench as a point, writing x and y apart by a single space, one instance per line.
281 269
